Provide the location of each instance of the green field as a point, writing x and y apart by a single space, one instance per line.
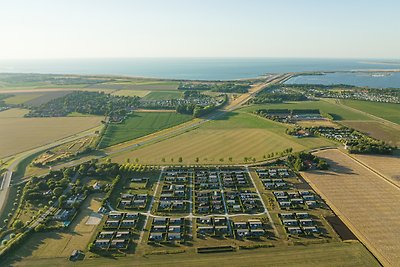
141 124
329 254
338 113
387 111
228 139
163 95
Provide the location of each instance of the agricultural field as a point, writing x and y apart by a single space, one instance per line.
21 134
227 139
333 254
387 111
387 166
366 202
22 98
163 95
338 113
138 93
13 113
138 85
141 124
378 130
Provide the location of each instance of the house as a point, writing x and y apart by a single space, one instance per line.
257 232
255 224
96 186
242 232
106 234
115 215
174 228
102 243
174 236
128 223
112 223
205 229
290 222
310 229
175 221
287 215
159 229
221 229
119 243
294 230
122 235
156 236
240 225
302 215
306 222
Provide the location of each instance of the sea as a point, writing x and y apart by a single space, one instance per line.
215 68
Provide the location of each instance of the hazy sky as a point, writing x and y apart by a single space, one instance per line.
201 28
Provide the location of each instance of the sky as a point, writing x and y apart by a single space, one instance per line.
45 29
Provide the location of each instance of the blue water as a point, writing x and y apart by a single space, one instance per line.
373 80
188 68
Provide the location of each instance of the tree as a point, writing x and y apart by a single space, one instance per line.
58 191
18 224
61 200
180 159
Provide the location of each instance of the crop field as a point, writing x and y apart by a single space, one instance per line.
144 85
62 243
163 95
20 134
387 166
141 124
332 254
387 111
13 113
225 140
138 93
366 202
338 113
376 129
22 98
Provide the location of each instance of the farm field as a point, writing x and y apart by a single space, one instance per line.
62 243
22 98
20 134
338 113
237 135
141 124
387 166
131 93
163 95
376 129
13 113
331 254
137 85
366 202
387 111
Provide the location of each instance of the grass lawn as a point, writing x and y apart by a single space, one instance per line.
387 111
330 254
163 95
338 113
141 124
236 135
